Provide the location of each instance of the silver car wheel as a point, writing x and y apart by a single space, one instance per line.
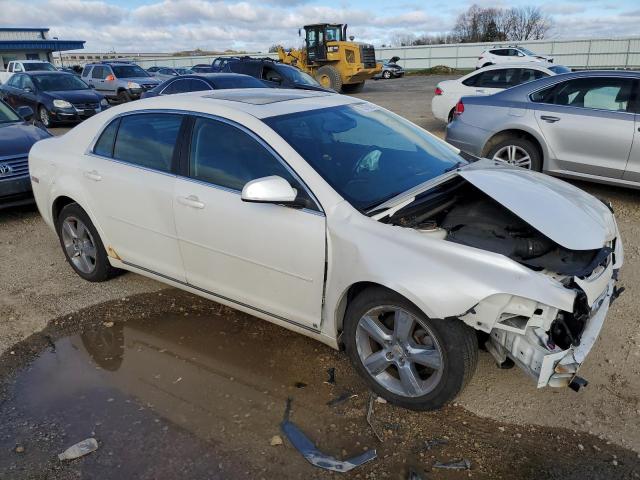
79 244
399 351
514 155
44 117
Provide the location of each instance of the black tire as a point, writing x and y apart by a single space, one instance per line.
501 141
458 342
102 269
44 116
386 74
123 96
353 87
332 75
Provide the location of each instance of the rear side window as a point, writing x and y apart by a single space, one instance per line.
529 74
600 93
148 140
104 145
86 71
501 78
99 72
224 155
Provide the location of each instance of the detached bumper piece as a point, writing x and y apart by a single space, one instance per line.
314 456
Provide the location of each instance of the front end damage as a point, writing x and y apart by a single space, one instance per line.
547 342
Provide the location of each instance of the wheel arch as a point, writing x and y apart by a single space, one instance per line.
352 292
58 204
517 132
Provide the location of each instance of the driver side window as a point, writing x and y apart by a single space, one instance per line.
224 155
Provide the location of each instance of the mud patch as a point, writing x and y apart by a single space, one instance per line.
172 386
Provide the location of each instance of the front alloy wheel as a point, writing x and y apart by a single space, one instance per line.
409 359
44 117
398 351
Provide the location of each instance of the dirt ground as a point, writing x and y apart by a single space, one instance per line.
37 286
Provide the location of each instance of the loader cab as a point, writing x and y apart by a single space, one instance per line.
317 37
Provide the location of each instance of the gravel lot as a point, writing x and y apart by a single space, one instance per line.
37 286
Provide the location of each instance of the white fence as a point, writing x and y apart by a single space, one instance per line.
588 53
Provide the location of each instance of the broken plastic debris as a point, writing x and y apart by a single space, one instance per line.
463 464
332 376
275 440
341 399
313 455
370 414
435 442
80 449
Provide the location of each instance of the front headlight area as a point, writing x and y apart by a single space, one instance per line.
518 331
62 104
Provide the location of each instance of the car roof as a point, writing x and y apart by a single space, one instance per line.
31 61
257 102
532 65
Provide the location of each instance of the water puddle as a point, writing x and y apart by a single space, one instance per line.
171 385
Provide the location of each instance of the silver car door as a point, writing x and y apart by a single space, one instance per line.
587 125
632 172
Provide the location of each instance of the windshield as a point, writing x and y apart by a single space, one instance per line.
128 71
59 82
6 114
299 77
559 69
365 153
334 34
35 66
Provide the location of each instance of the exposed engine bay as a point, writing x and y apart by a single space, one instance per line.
522 331
463 214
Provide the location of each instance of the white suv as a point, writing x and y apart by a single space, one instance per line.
340 220
500 55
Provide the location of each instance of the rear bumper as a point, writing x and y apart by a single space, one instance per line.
466 137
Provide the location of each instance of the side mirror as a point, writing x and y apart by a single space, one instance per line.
271 189
25 112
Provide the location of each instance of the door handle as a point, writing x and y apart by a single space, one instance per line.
191 201
93 175
550 119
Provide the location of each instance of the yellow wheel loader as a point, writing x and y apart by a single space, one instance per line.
332 60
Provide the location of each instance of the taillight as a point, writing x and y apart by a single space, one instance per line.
438 91
459 108
110 78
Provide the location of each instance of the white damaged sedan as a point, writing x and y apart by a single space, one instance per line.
340 220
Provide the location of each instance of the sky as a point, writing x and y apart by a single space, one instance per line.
174 25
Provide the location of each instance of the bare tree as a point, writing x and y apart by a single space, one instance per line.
526 23
479 24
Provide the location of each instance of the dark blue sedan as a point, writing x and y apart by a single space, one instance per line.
205 81
55 97
16 138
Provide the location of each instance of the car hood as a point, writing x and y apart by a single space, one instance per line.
76 96
567 215
17 138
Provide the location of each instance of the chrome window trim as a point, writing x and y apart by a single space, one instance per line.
590 109
89 151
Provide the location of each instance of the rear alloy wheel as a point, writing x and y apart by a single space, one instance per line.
43 116
329 77
410 360
82 245
386 74
516 151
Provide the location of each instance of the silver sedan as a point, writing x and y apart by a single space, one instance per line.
582 125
